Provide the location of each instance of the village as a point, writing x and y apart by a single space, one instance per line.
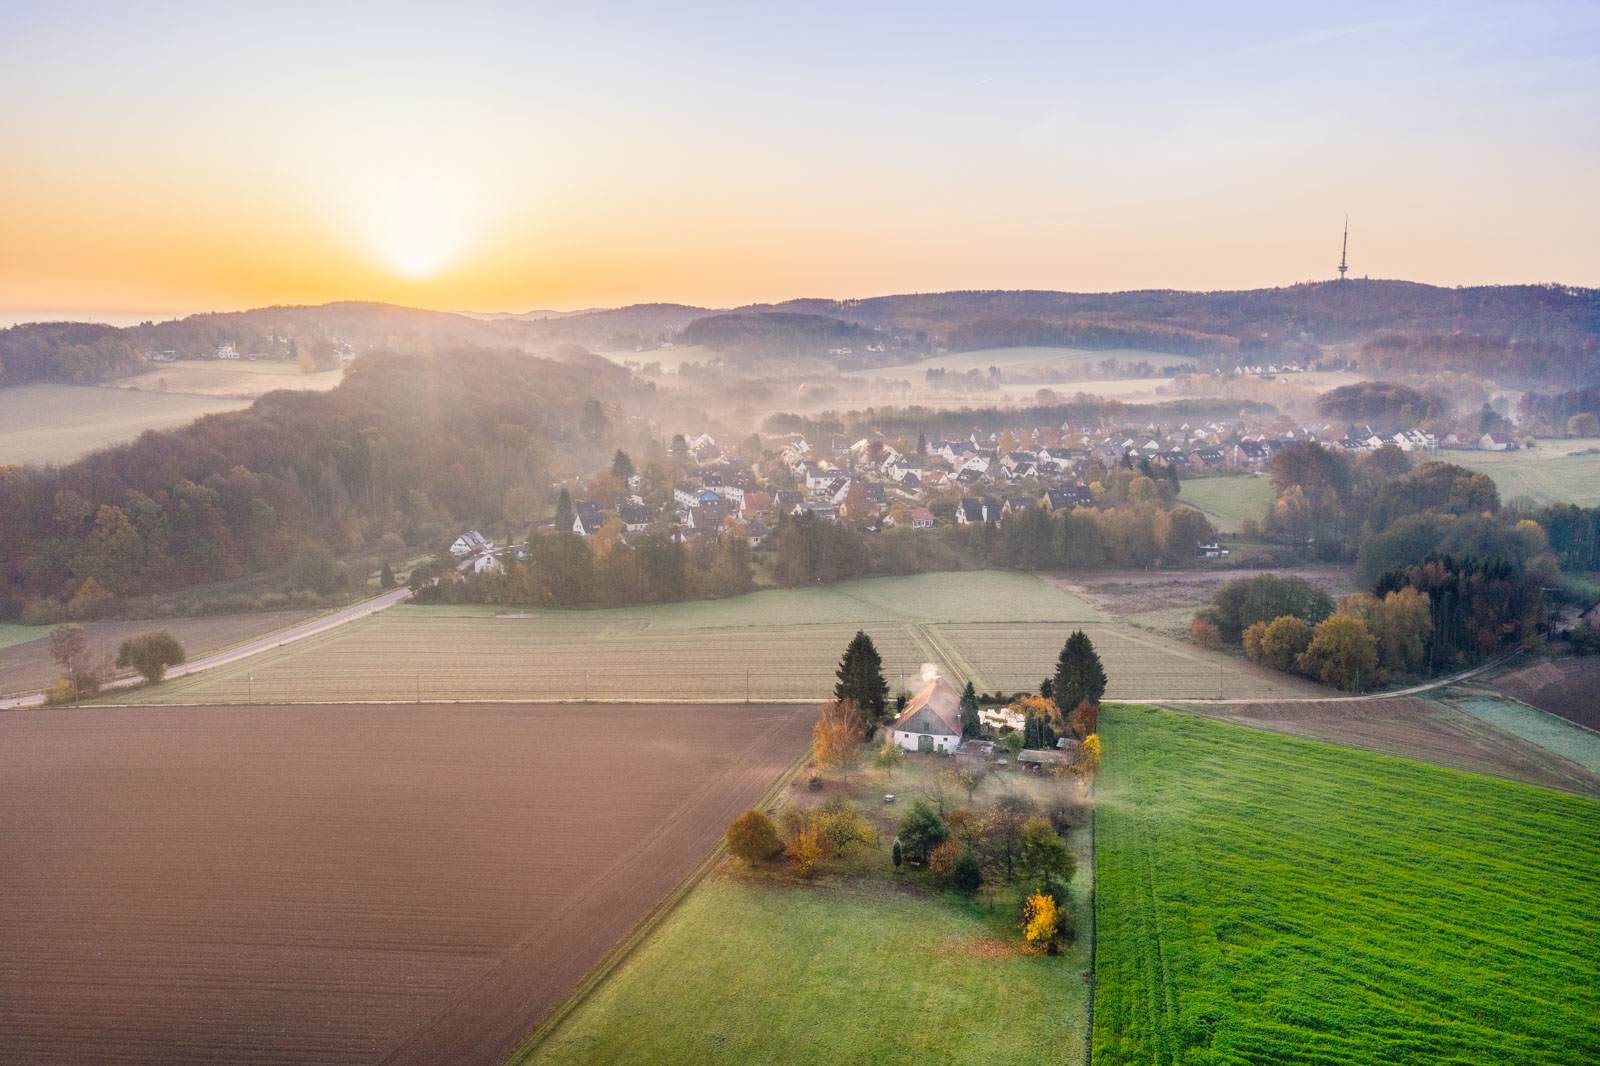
874 483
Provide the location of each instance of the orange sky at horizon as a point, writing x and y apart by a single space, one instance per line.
730 156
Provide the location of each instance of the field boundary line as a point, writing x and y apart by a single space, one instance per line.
1094 907
646 926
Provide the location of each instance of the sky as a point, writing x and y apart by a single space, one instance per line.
170 158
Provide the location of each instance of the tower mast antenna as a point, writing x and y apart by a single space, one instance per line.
1344 253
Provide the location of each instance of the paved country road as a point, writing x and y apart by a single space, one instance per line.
260 644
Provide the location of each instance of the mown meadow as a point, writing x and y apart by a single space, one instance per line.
1268 899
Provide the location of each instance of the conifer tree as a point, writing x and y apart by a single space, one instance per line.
564 515
971 725
1079 675
861 681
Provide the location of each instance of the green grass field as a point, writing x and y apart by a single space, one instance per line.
12 635
1548 473
59 423
860 965
1269 899
1546 730
752 973
1228 501
998 629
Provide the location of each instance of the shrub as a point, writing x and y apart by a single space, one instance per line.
966 875
842 827
922 830
1012 742
942 859
752 836
815 783
806 851
1204 632
150 654
1043 852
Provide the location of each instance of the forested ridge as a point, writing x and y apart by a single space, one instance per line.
407 444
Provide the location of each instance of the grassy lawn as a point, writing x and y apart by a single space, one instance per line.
751 973
1269 899
1228 501
861 965
1548 473
12 634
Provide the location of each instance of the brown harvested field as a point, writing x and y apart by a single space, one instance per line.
28 668
1414 729
1569 688
343 884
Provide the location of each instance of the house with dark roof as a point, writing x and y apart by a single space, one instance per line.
636 518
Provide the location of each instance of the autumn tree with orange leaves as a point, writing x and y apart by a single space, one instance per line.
837 736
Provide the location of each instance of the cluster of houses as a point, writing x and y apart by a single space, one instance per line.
873 484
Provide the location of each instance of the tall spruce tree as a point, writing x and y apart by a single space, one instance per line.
1079 675
564 515
971 725
861 681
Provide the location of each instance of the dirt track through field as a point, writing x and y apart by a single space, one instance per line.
343 884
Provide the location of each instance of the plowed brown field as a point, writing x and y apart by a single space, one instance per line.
343 884
1568 688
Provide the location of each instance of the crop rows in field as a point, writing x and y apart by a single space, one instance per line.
407 654
1138 665
342 885
1267 899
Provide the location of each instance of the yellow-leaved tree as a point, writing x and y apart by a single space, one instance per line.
1089 756
1039 919
837 736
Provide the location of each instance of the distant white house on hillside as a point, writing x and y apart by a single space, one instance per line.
932 718
469 543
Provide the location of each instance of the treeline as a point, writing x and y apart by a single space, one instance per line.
1506 359
772 333
83 353
1556 407
1452 577
79 353
406 445
937 423
566 570
1087 333
1293 318
1382 404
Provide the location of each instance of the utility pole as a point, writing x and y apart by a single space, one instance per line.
250 689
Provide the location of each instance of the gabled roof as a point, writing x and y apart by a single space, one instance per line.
938 705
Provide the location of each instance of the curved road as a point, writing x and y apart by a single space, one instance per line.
260 644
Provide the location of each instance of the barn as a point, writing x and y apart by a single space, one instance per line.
931 720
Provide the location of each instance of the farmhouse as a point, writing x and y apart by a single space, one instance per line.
469 543
931 720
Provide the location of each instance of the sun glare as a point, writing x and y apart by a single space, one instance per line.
417 225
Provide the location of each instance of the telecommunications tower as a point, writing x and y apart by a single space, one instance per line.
1344 253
